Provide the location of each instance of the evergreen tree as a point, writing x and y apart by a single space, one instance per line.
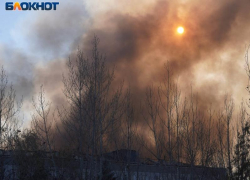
241 159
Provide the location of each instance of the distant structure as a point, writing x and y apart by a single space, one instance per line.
117 165
126 163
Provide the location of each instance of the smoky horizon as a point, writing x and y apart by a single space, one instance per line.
168 79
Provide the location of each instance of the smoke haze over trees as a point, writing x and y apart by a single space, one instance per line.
116 76
99 117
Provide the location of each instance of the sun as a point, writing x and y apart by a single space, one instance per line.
180 30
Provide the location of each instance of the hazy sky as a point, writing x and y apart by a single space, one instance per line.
138 36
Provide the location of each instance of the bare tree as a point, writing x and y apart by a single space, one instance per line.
206 140
129 120
191 135
178 118
168 94
42 123
151 117
228 115
74 88
128 135
9 108
93 105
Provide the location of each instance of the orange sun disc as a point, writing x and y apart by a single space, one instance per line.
180 30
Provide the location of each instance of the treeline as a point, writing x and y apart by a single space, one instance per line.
101 116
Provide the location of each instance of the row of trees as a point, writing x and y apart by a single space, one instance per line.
101 116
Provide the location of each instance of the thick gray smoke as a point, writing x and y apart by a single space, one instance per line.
139 40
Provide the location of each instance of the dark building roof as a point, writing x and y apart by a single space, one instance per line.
122 155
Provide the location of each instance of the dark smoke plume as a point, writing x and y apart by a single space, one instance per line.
209 55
